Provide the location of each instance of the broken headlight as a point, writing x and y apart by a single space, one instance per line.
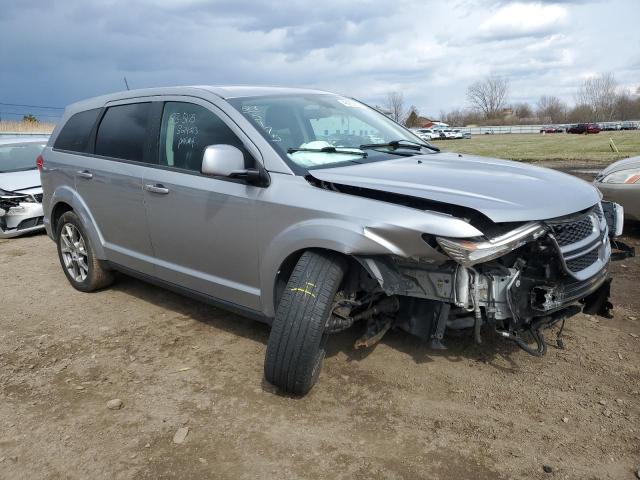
469 252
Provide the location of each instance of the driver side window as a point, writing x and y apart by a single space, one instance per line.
186 130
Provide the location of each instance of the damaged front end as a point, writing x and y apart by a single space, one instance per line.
20 213
519 282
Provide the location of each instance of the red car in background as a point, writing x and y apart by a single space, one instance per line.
584 128
551 129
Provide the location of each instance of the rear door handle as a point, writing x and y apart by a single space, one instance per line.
157 188
85 174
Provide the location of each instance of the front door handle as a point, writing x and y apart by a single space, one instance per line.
85 174
157 188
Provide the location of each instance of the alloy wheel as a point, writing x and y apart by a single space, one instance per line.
74 252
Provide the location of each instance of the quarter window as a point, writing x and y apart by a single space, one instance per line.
123 131
74 136
186 130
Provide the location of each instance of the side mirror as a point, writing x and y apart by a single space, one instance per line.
228 161
222 160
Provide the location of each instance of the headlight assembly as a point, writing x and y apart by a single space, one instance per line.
469 252
629 176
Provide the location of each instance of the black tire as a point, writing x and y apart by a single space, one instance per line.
297 342
97 276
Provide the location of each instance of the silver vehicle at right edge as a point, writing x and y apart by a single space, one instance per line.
313 212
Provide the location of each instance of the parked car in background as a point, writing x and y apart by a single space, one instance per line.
584 128
610 127
427 133
629 126
551 129
449 133
620 182
20 190
231 195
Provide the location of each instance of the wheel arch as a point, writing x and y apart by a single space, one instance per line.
283 252
66 199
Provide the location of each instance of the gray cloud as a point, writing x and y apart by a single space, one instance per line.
59 52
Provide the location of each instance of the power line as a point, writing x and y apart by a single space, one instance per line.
30 106
25 113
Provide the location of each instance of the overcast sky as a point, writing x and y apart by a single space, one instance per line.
57 52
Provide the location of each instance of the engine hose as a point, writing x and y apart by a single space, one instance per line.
536 332
476 326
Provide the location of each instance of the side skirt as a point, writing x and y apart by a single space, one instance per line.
187 292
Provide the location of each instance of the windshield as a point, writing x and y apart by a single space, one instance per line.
19 156
321 130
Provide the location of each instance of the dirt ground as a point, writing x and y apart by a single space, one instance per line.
397 411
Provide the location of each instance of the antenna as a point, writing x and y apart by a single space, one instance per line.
126 83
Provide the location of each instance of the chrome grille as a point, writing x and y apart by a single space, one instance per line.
599 212
580 263
582 242
572 232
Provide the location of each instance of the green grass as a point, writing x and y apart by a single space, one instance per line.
559 146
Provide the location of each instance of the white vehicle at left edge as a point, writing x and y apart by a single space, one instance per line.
20 189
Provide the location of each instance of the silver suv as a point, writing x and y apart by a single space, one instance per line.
276 203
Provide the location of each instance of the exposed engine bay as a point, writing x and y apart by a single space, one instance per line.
519 283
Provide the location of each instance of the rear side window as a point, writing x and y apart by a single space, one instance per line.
74 136
123 131
187 129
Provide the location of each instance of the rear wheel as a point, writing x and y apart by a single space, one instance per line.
83 270
296 347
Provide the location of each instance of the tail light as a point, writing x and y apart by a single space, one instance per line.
40 162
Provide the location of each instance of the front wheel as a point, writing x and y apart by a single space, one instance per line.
79 263
296 347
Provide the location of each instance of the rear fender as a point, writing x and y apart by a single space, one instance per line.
65 194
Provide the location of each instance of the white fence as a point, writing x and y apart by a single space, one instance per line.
536 128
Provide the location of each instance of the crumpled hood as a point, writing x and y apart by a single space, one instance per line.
24 182
503 190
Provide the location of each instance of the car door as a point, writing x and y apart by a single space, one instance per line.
110 184
203 229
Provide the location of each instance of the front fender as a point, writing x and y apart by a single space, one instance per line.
65 194
328 234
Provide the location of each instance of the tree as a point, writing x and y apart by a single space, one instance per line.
522 110
413 119
627 107
29 118
551 109
489 95
395 105
599 93
580 114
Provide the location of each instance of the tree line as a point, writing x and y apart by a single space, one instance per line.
598 99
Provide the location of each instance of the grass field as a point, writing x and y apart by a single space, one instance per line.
26 127
560 146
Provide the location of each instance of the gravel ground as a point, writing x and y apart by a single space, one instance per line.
399 410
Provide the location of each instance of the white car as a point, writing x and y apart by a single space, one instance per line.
451 134
427 133
20 189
